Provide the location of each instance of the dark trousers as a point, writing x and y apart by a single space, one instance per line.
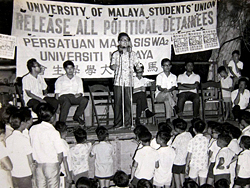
140 99
238 113
118 106
33 103
24 182
189 96
66 101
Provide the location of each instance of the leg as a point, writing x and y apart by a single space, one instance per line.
202 181
177 181
65 105
236 112
52 102
194 97
138 100
52 172
102 183
33 103
127 106
182 178
107 182
210 181
182 98
40 177
82 102
118 106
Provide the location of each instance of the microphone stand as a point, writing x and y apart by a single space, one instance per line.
131 86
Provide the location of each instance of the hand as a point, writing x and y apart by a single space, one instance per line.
78 95
221 167
143 88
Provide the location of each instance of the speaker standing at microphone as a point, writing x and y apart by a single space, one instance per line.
122 62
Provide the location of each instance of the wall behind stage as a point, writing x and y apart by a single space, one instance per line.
53 32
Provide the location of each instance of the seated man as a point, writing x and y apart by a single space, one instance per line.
69 89
188 85
35 87
240 99
166 83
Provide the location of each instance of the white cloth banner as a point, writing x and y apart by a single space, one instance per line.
7 46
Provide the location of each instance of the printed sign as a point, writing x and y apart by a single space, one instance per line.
7 46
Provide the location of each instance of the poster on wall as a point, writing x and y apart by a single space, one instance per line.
7 46
39 21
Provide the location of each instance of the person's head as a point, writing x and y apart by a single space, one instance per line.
206 186
222 71
236 55
216 131
2 131
84 182
180 125
223 140
163 126
166 64
46 113
199 126
61 127
189 65
189 183
26 112
139 70
102 133
235 132
242 83
6 112
245 142
145 137
124 40
121 179
80 135
138 129
144 183
17 121
221 183
69 67
162 138
210 126
245 121
33 66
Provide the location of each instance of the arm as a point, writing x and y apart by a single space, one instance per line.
188 86
6 164
142 88
188 159
33 96
227 89
66 167
237 170
220 164
80 88
134 167
165 89
237 99
60 158
210 153
231 71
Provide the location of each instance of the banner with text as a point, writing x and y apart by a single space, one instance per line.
90 55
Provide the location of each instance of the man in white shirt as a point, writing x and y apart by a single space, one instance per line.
188 85
69 91
240 99
235 66
35 87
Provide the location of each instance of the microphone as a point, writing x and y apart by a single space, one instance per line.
120 49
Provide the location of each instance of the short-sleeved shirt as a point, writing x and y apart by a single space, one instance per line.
46 143
33 84
185 79
239 65
141 82
19 148
227 154
66 153
244 163
165 81
163 174
244 98
146 158
80 156
180 144
124 69
234 146
226 83
64 85
215 149
198 146
103 152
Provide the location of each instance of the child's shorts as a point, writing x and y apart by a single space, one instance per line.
210 170
227 99
242 181
195 172
222 176
178 169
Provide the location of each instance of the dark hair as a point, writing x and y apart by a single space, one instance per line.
213 124
121 179
67 63
243 79
163 126
16 119
102 133
61 127
123 35
144 183
6 112
188 61
235 132
84 181
245 140
225 138
246 118
26 112
30 63
222 68
80 135
2 127
165 136
142 67
45 112
140 128
236 52
218 129
221 183
189 183
199 126
206 186
145 136
180 124
165 60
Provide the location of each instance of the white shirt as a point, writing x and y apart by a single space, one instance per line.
46 143
141 82
165 81
226 83
215 149
64 85
35 85
80 155
234 146
180 144
19 148
146 158
185 79
244 98
244 163
227 154
198 146
163 174
67 154
239 65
